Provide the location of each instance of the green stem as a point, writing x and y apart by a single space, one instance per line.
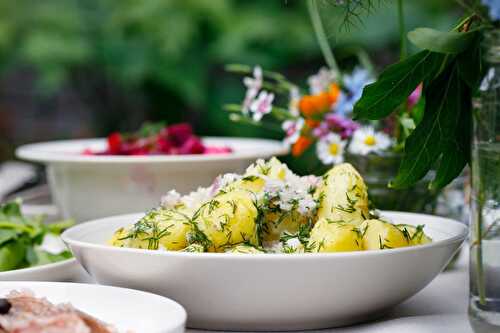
402 30
365 61
479 255
319 31
237 118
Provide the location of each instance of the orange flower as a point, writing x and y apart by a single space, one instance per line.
300 146
311 123
306 105
321 102
333 93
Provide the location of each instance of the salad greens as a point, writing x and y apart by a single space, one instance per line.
28 241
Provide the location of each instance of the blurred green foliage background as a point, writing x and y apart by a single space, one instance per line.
84 68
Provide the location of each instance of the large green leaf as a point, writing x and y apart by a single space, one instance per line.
470 66
424 146
456 148
395 84
441 42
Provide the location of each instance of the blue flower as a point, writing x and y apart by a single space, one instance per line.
353 85
494 6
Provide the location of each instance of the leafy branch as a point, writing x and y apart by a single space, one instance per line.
354 10
449 67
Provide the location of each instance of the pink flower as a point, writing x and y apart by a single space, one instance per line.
253 84
262 105
322 130
292 130
342 125
414 96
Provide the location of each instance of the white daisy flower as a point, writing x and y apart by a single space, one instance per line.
330 149
366 140
171 199
262 105
321 81
292 130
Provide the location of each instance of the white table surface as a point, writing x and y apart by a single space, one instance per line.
441 307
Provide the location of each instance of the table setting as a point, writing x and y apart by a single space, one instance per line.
365 198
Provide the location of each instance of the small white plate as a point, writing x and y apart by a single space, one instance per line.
67 270
227 291
126 309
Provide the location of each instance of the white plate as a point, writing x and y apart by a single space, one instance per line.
66 270
125 309
271 291
88 187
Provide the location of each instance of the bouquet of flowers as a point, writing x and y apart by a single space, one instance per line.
320 116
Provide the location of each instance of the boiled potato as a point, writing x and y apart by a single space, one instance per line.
228 219
159 229
277 223
343 195
334 236
378 235
244 249
273 169
415 234
254 184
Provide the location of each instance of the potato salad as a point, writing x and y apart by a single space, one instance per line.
269 209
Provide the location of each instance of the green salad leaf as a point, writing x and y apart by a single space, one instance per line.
22 238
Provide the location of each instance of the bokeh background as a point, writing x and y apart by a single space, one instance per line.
71 69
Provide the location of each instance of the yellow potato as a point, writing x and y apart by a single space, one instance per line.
273 169
415 234
243 248
342 195
276 224
379 235
228 219
334 236
254 184
160 228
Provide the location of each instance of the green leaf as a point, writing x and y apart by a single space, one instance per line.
396 83
424 146
470 64
7 235
441 42
11 256
456 149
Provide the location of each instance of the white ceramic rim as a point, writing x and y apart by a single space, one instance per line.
166 326
460 237
44 152
31 270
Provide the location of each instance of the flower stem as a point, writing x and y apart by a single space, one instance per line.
402 31
319 31
479 254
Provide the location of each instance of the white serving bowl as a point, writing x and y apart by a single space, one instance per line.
89 187
127 310
271 291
